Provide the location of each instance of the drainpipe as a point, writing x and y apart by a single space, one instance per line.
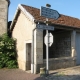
32 56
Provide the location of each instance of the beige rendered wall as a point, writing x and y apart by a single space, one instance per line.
3 16
22 32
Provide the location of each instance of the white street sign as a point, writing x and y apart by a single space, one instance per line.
45 39
45 27
50 37
49 13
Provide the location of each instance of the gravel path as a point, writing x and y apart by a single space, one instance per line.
65 74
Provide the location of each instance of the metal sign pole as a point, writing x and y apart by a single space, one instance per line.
48 13
47 51
47 54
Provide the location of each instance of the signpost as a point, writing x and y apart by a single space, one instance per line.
44 27
48 13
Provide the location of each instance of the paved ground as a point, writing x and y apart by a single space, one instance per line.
65 74
61 74
17 74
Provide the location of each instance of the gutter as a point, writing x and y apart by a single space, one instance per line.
32 56
57 25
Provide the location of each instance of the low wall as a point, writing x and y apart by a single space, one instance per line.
55 63
58 63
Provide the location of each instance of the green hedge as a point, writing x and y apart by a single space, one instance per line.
8 57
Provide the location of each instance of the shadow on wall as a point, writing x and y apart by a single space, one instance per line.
16 52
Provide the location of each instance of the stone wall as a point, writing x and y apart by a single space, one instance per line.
3 16
60 51
61 46
58 63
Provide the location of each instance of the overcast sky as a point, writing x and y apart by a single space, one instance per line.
66 7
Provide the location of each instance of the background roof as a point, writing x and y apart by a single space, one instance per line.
63 20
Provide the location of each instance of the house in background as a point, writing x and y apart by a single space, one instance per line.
31 50
4 4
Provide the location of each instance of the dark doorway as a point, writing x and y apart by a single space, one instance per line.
28 55
61 46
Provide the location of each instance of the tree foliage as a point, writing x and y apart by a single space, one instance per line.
8 57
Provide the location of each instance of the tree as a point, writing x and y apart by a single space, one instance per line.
8 57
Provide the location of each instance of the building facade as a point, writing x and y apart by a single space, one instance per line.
4 4
30 47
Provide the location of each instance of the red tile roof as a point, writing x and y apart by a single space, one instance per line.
62 20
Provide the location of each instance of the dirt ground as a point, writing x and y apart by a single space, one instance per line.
72 73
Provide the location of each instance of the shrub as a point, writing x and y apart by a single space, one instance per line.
10 64
7 52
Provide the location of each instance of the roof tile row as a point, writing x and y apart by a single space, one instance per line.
62 20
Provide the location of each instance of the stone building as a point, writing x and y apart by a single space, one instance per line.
31 50
4 4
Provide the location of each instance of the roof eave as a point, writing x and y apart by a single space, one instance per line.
26 12
56 25
20 7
